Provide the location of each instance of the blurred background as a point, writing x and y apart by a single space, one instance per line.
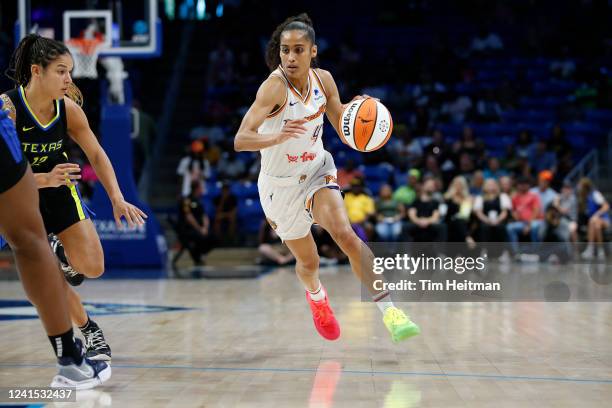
502 115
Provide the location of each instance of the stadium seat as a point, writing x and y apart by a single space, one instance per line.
244 190
381 172
250 215
212 189
374 187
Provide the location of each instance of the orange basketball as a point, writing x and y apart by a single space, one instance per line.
365 125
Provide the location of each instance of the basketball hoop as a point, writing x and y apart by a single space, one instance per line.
85 53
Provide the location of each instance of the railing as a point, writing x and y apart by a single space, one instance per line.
587 167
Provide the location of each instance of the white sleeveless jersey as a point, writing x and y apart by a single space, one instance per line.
296 156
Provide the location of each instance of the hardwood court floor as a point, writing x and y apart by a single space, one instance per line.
251 342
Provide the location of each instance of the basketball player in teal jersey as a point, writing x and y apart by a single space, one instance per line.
297 182
40 68
22 225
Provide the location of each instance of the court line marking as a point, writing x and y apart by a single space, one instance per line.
358 372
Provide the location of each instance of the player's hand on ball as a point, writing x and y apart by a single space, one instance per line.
63 175
364 96
293 129
132 214
357 97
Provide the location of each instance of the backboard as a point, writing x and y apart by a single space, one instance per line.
128 28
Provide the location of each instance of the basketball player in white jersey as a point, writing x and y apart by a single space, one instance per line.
297 181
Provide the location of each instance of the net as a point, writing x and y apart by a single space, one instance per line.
85 53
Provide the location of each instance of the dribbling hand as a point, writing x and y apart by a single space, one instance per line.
63 175
293 129
356 98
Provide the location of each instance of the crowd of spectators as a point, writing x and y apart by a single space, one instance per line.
484 133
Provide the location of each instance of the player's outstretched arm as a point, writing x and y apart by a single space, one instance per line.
270 97
79 130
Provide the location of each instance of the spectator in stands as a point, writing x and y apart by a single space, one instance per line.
547 195
407 193
564 167
487 108
347 173
477 183
541 158
420 121
527 214
492 210
524 168
389 214
424 215
568 208
456 108
244 74
555 232
524 144
494 169
470 145
586 95
458 210
511 159
432 167
486 42
558 143
438 147
593 212
360 207
439 188
564 66
230 166
506 185
193 224
226 210
405 150
466 166
427 90
271 249
193 167
220 65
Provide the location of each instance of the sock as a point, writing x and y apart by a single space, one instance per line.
318 295
383 301
64 346
86 325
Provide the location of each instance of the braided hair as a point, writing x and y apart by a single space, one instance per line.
34 49
301 22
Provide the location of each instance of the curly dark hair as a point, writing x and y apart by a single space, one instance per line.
300 22
33 49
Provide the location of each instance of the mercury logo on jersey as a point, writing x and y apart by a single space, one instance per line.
318 95
304 157
42 147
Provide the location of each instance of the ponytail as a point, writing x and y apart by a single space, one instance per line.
33 50
73 92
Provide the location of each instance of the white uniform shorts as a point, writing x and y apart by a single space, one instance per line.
287 201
